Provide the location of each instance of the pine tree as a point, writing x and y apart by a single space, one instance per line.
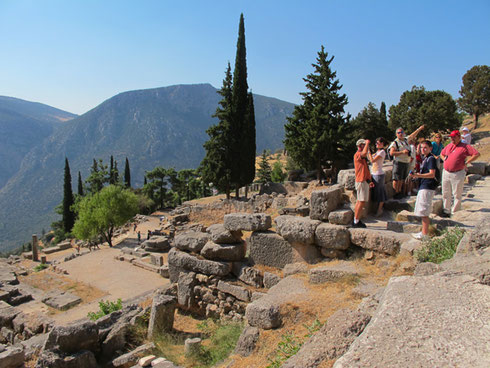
80 185
264 172
369 124
127 175
111 171
317 130
98 177
278 175
382 110
68 215
216 166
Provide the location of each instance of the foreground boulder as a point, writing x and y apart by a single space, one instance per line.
387 242
73 338
451 329
297 229
324 201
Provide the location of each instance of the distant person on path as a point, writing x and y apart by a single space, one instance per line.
363 180
139 237
378 175
454 156
148 235
135 226
400 151
465 135
427 188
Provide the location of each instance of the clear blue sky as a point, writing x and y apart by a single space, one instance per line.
73 55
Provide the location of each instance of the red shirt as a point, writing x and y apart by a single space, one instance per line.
361 168
456 155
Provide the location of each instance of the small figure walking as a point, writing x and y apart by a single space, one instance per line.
139 237
135 226
148 235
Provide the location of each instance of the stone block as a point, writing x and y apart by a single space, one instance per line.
191 241
320 275
426 269
270 279
192 346
61 300
185 289
294 268
324 201
471 179
341 217
181 260
224 252
220 235
403 227
347 178
156 244
156 260
247 222
385 241
297 229
248 275
146 361
12 357
332 236
162 314
73 338
238 292
477 167
131 358
247 340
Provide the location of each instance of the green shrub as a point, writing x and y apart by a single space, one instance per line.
439 249
40 267
105 307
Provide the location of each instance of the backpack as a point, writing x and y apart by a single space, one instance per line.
390 157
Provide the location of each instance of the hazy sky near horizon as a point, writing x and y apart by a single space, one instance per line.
74 55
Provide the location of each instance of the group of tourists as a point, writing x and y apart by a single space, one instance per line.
421 164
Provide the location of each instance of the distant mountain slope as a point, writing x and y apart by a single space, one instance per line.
23 125
162 126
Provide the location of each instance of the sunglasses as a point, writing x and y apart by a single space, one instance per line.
399 132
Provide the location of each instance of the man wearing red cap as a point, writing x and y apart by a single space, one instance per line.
454 156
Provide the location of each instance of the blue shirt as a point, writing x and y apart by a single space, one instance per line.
428 164
437 148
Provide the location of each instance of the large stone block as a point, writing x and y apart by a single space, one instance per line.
341 217
270 249
161 315
220 235
297 229
192 241
156 244
7 314
347 178
332 236
224 252
246 342
477 167
185 289
247 222
324 201
73 338
238 292
319 275
178 260
248 275
387 242
12 357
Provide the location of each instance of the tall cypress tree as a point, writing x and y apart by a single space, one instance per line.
248 173
80 185
68 215
111 171
127 175
115 173
217 165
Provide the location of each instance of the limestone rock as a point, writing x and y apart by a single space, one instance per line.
271 279
238 292
297 229
341 217
156 244
192 241
131 358
294 268
73 338
192 346
56 359
185 289
332 253
247 222
12 357
247 340
7 314
347 178
249 275
162 314
332 236
324 201
182 260
220 235
477 168
426 268
61 300
381 241
323 274
224 252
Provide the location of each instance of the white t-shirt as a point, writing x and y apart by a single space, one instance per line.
466 138
402 145
377 168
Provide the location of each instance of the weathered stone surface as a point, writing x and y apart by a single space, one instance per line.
270 249
324 201
265 312
146 361
192 241
294 268
238 292
332 253
426 268
34 345
477 167
451 329
115 340
247 222
248 275
7 276
61 300
56 359
181 260
347 178
129 359
341 217
257 295
271 279
332 236
156 244
12 357
7 314
331 341
220 235
472 178
162 314
70 339
192 346
224 252
247 340
323 274
365 289
156 260
381 241
403 227
185 289
297 229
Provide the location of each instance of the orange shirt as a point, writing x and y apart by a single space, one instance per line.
361 168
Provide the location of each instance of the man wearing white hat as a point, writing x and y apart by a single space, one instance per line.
465 135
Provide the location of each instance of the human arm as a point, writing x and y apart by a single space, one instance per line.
430 175
417 131
365 150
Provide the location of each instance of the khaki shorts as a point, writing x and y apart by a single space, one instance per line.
362 189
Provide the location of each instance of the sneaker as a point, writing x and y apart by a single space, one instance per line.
360 225
445 214
420 236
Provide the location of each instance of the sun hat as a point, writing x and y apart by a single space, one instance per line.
465 129
360 141
454 133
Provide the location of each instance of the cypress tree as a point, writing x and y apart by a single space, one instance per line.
264 172
111 171
80 185
68 215
127 175
382 110
115 174
248 172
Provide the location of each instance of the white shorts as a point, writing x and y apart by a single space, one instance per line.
362 190
423 205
